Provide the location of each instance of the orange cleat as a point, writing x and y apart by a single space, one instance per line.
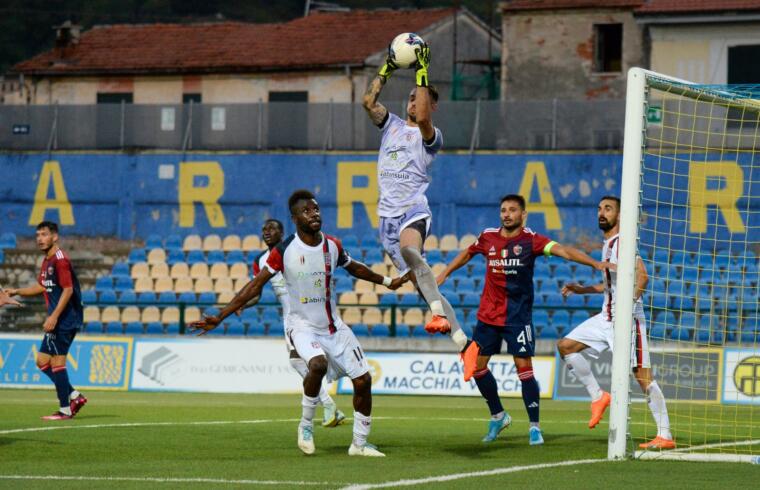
469 357
438 324
598 408
659 443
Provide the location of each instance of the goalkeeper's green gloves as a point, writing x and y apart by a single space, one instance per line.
423 62
387 69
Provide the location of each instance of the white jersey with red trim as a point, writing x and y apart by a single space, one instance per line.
610 254
308 273
277 282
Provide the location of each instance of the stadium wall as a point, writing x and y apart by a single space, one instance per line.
135 195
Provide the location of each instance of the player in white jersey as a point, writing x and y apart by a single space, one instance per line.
307 260
407 150
271 233
596 334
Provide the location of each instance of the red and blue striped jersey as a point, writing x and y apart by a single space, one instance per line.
56 274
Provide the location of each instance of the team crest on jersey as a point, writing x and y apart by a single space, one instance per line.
318 283
517 249
50 270
492 250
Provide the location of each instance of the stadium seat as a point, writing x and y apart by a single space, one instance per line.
431 242
410 300
371 316
657 332
94 327
348 298
388 299
107 297
233 326
360 329
231 242
219 270
114 328
368 298
120 269
216 257
160 269
167 297
466 285
364 287
175 256
150 314
554 299
91 314
380 330
225 297
89 297
575 301
137 255
212 242
140 269
134 328
180 269
373 255
343 285
407 288
467 240
8 240
163 284
447 289
234 256
130 314
418 331
276 329
479 269
123 283
223 285
448 243
352 315
350 241
540 318
199 270
239 270
195 257
681 334
154 328
147 298
251 243
103 283
206 297
170 314
183 285
433 256
549 332
153 241
110 314
156 256
471 300
192 242
192 314
255 328
173 242
187 297
271 315
413 317
688 320
561 320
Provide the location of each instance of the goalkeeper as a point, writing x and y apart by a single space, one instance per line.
407 150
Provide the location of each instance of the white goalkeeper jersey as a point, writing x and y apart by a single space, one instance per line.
308 273
277 282
610 254
403 166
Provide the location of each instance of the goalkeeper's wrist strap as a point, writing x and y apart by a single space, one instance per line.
385 72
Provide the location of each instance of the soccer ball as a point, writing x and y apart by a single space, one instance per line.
402 49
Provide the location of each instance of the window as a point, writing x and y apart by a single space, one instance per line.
743 68
288 96
608 48
194 98
115 98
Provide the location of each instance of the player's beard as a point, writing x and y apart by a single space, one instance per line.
515 225
412 118
606 225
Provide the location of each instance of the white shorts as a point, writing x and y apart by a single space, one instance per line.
345 356
390 233
599 335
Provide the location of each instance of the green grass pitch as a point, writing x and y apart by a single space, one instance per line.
159 440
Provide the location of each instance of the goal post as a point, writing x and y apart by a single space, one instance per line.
690 207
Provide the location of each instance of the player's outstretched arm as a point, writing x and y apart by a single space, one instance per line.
459 261
571 253
29 291
575 288
375 110
361 271
5 299
642 279
249 291
422 100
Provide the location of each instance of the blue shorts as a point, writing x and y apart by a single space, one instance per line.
57 343
390 232
520 340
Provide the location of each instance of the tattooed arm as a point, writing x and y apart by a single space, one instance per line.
375 110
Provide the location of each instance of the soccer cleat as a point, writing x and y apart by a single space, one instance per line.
496 426
332 416
598 408
469 357
77 404
57 416
535 437
365 450
306 439
659 443
438 324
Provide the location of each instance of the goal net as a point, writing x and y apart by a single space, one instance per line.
691 210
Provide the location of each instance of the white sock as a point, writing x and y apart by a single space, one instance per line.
459 338
65 410
309 407
300 366
498 416
362 425
436 307
324 396
580 366
74 394
656 402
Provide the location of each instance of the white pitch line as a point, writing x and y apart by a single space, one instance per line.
164 480
472 474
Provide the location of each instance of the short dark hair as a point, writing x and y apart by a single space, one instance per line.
514 197
50 225
277 222
433 92
611 198
297 196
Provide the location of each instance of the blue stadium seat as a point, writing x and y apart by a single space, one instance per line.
195 256
147 298
690 274
211 311
657 332
471 300
371 241
134 328
380 330
103 283
207 298
409 299
234 327
123 283
268 297
433 256
659 301
447 289
562 269
561 320
373 256
682 258
683 303
154 328
215 257
250 315
596 254
167 297
419 331
2 256
234 256
681 334
173 328
173 242
187 297
127 297
586 275
466 285
175 256
271 316
360 329
89 297
661 256
343 284
120 269
388 299
137 255
94 327
276 329
576 300
107 297
8 240
350 241
478 269
688 320
256 328
540 318
549 332
114 328
153 241
554 300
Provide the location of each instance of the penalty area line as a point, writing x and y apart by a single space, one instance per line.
472 474
163 480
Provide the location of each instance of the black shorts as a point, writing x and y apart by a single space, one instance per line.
520 340
57 343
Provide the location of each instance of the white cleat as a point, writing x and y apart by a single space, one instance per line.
306 439
332 416
366 450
